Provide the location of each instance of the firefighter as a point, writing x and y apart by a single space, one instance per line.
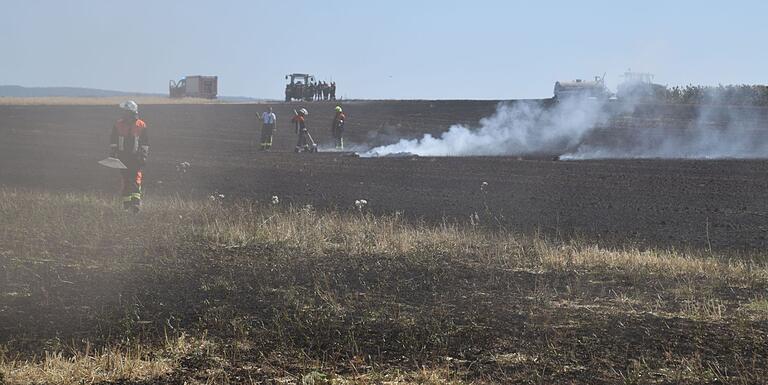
337 128
269 120
305 142
130 144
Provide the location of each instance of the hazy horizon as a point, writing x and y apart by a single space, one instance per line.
393 50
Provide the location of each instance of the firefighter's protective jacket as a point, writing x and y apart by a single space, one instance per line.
129 141
338 120
299 123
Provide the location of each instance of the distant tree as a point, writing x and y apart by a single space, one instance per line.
741 95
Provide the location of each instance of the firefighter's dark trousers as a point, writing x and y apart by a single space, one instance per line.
305 140
267 131
338 137
131 186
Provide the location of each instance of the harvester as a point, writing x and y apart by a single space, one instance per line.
639 86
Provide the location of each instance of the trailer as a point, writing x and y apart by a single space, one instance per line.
592 89
206 87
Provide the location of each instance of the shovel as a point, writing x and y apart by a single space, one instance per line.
112 163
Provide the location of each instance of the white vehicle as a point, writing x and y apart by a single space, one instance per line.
593 89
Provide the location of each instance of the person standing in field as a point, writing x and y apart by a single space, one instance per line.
269 121
310 91
333 90
130 143
337 128
305 141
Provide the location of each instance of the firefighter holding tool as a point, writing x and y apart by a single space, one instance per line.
129 148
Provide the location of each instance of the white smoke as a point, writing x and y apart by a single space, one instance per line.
516 128
588 129
716 132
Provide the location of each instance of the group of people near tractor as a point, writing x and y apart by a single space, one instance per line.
321 90
129 144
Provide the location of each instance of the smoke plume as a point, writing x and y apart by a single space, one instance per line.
590 129
516 128
716 132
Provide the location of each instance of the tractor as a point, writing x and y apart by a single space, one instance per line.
298 88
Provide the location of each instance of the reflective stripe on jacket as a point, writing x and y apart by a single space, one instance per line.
130 137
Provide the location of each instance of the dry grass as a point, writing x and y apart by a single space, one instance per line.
57 369
90 222
757 308
301 295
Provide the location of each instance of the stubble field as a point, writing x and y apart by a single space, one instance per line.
459 270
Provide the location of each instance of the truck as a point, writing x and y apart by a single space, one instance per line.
194 87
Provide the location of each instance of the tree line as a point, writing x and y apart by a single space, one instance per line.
743 95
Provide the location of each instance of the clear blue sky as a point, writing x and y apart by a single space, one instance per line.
385 49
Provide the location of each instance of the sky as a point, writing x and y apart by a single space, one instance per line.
381 50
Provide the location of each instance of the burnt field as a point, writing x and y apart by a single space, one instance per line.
459 270
660 203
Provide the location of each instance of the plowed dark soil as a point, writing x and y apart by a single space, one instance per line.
698 204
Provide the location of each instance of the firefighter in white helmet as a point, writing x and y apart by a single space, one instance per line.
130 144
337 128
305 142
